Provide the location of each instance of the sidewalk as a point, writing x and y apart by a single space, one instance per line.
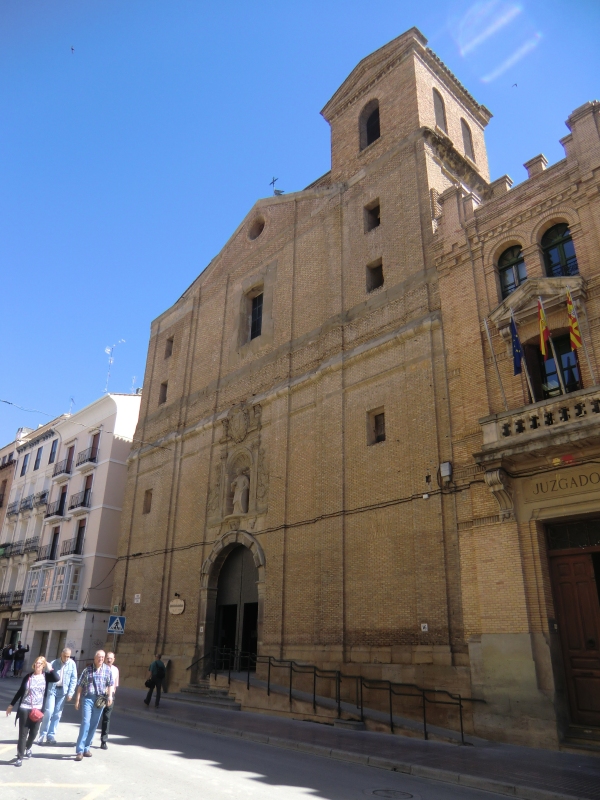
506 769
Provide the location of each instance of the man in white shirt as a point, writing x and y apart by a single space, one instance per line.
107 713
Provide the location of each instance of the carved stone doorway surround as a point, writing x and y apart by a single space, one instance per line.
209 581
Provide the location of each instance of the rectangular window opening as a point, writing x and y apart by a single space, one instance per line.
376 426
24 464
169 347
256 312
38 458
53 450
147 501
374 275
372 216
162 393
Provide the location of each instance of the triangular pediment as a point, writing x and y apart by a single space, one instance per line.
370 68
523 301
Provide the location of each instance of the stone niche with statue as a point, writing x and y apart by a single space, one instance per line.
239 475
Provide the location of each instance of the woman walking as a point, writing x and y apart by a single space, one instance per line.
31 697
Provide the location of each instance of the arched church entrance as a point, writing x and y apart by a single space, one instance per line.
236 618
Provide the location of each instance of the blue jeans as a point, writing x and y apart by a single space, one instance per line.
53 713
90 716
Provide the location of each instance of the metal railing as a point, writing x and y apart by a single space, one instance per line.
31 544
81 499
12 508
8 599
56 509
71 548
26 503
44 553
223 659
62 467
41 498
89 455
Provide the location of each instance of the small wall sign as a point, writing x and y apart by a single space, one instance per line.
177 606
137 598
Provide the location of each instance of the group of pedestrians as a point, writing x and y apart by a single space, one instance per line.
13 657
40 700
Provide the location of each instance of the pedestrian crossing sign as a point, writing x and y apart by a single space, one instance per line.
116 624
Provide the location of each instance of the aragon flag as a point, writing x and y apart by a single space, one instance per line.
516 347
574 332
544 332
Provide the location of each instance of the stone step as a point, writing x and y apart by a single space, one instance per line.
219 701
205 691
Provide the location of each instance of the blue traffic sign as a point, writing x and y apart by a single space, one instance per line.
116 624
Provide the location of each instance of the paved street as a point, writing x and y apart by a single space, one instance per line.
148 759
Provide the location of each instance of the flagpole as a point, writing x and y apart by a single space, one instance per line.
524 361
585 350
556 361
489 338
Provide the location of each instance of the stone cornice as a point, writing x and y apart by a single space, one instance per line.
33 442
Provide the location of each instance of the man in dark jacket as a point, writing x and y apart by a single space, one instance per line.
19 659
156 675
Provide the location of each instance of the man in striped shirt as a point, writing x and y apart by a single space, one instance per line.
95 681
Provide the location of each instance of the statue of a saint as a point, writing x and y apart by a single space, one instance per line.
240 486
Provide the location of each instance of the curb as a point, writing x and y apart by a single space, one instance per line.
416 770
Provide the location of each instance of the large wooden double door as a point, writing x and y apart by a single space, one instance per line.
576 580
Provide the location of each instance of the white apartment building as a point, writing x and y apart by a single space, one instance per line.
63 528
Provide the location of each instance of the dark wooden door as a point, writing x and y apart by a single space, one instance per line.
578 613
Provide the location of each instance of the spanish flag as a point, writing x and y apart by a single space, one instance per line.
544 332
574 332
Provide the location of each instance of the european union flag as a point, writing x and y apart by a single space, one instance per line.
516 347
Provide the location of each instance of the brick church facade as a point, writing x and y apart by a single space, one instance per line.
332 463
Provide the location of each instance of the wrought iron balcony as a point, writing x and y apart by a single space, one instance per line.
26 503
71 548
44 553
31 544
8 599
17 598
87 456
5 550
12 508
550 423
5 598
81 499
56 509
40 499
17 548
62 468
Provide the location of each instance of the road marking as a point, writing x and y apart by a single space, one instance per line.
96 788
5 747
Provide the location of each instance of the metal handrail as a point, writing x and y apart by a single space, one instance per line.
55 509
233 656
86 455
71 547
44 553
62 467
81 499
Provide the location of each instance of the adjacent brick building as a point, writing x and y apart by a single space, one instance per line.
326 467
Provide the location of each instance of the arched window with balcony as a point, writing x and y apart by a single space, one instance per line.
440 111
369 129
467 140
511 269
559 252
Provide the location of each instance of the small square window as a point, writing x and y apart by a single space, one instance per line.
372 216
374 275
147 501
376 426
169 347
162 393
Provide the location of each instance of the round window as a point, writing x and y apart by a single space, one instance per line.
256 228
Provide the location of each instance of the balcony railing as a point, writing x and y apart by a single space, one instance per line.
576 414
63 467
8 599
81 499
56 509
31 544
44 553
26 503
13 508
90 455
71 548
40 499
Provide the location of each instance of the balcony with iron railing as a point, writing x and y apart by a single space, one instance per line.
89 456
11 599
81 499
45 553
63 467
31 544
556 422
72 547
12 508
26 503
57 508
41 498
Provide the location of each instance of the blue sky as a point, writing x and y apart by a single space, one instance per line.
127 164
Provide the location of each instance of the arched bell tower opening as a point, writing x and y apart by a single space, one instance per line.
233 579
